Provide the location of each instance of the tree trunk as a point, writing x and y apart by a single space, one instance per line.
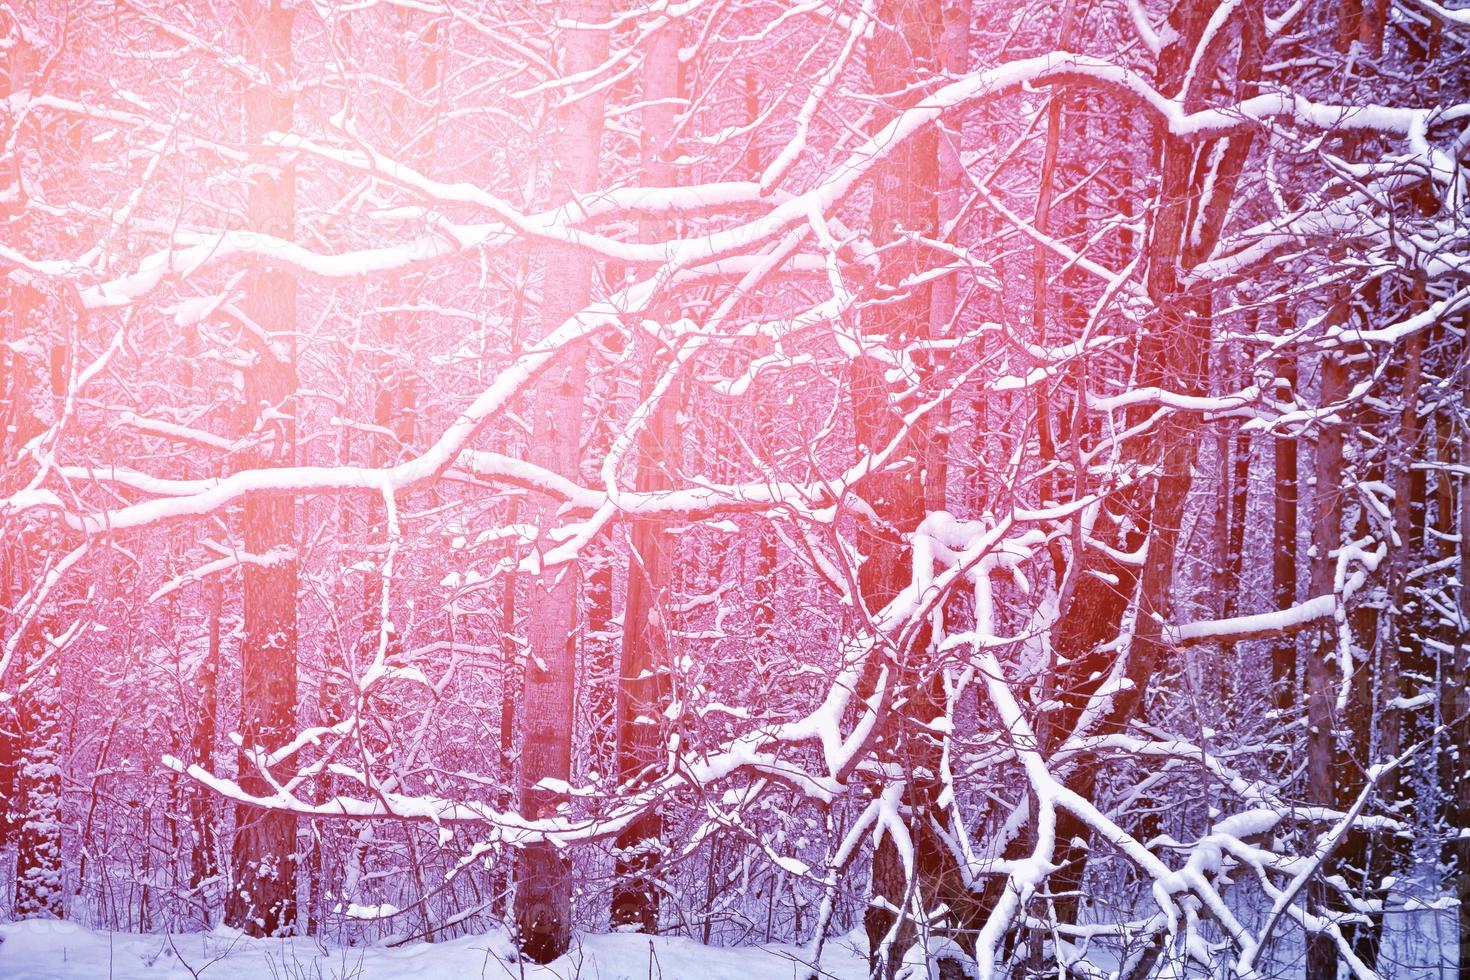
1327 509
1172 353
1456 689
642 667
767 403
1389 852
543 894
643 657
1284 534
30 780
905 200
204 863
1040 252
35 809
262 899
512 672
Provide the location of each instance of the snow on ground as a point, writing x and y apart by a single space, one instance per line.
50 950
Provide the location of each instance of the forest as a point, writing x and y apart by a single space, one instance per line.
863 489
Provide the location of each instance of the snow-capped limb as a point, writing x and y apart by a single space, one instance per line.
1254 626
190 252
1246 402
179 433
198 497
509 827
206 496
272 557
1437 312
1146 32
1353 215
1350 580
1024 876
1354 563
781 164
837 863
379 666
27 610
1451 16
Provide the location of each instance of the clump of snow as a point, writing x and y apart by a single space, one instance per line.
355 911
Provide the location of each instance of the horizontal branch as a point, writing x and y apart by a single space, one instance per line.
1280 622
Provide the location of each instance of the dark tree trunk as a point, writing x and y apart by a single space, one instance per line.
1238 457
642 666
1172 353
1327 509
204 860
905 199
511 674
763 569
1284 534
30 777
1455 695
1385 681
262 896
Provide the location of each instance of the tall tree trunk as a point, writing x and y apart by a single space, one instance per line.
512 667
905 199
642 669
954 58
262 898
643 657
1040 252
543 894
767 404
1233 455
1240 479
1284 534
35 808
1334 775
1388 853
30 779
1456 686
1322 687
512 660
204 863
1172 353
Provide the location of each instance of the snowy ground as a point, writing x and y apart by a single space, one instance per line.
48 950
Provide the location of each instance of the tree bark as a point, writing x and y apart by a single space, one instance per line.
1172 353
905 200
30 779
1455 693
204 862
35 809
643 658
262 897
543 894
1284 534
1327 509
